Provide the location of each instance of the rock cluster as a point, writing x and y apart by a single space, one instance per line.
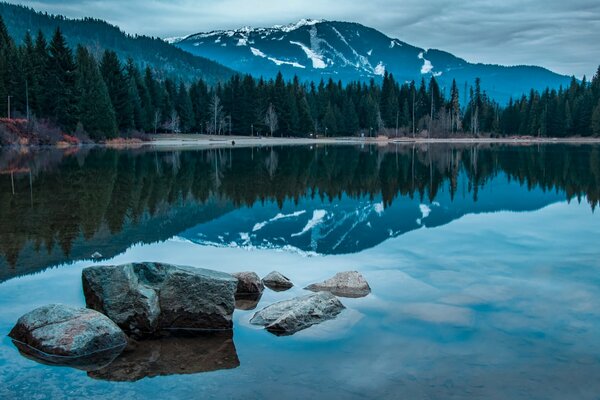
147 298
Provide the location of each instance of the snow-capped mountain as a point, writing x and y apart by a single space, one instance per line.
315 49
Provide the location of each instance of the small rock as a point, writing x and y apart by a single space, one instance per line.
290 316
344 284
172 355
72 336
277 282
248 283
146 298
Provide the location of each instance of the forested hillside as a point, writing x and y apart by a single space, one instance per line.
97 35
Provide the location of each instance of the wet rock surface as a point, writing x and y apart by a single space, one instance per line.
248 283
277 282
59 334
344 284
290 316
172 355
147 298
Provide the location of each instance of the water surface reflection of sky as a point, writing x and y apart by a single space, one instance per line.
490 305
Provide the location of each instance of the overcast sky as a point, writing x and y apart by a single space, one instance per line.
562 35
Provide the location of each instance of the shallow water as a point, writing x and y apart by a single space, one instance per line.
483 263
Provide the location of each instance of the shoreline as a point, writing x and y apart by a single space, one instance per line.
193 140
198 141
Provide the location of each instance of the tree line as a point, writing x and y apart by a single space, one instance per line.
99 96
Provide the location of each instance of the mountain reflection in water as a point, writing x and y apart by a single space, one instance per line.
62 206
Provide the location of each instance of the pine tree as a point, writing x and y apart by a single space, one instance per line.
596 120
60 86
96 113
118 89
6 55
184 109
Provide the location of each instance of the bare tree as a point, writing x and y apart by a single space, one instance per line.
172 124
271 119
216 115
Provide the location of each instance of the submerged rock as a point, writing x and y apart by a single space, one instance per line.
290 316
277 282
58 334
248 283
172 355
146 298
344 284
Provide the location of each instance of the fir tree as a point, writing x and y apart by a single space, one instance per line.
60 96
118 89
96 113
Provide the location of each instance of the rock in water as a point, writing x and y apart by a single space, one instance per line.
64 335
146 298
248 283
277 282
290 316
344 284
172 355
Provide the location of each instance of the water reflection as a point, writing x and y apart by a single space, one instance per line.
59 207
90 362
172 355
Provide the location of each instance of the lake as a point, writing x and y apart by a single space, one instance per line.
483 261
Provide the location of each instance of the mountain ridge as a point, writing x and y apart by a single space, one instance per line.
348 51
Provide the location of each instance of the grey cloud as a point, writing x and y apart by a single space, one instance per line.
557 34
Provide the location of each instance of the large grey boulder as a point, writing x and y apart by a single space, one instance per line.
172 355
344 284
290 316
146 298
277 282
66 335
248 283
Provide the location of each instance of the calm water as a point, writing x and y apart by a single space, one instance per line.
483 261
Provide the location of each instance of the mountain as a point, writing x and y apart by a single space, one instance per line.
313 50
98 35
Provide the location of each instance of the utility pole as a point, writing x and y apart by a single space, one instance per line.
252 129
430 115
27 98
413 116
8 109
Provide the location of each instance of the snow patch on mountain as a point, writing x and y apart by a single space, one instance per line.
257 52
297 25
173 40
283 62
317 59
379 69
427 66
